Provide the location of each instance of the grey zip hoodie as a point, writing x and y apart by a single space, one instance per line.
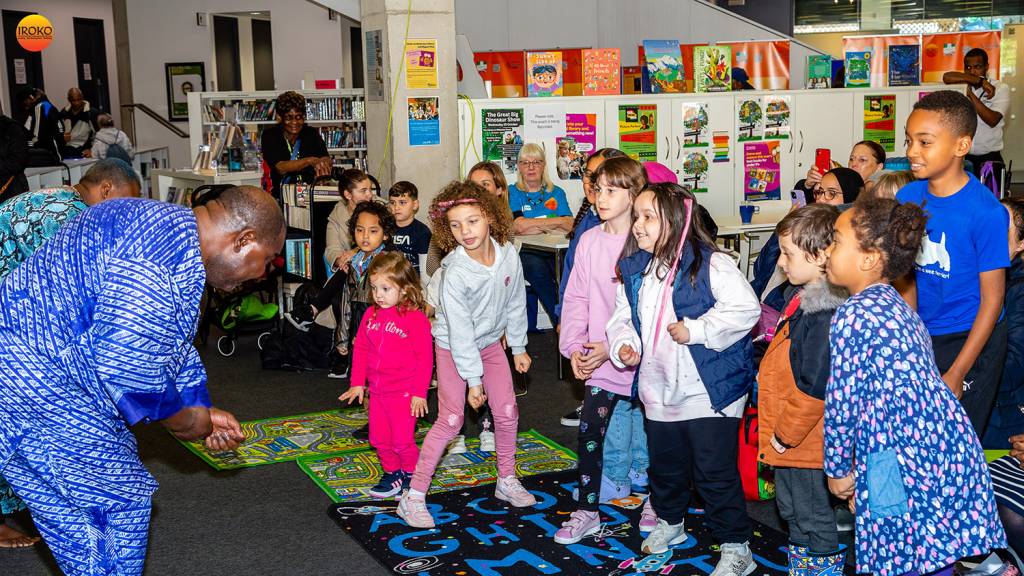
489 300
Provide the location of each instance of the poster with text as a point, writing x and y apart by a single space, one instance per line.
424 122
502 135
695 124
420 63
761 171
880 120
695 170
572 149
750 116
544 74
777 112
638 131
374 65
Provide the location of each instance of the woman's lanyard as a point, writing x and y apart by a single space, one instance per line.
294 155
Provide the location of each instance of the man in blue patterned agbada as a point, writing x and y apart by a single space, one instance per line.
96 334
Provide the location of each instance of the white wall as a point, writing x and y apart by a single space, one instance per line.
59 63
160 31
539 24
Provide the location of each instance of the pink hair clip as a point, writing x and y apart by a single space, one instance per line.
443 207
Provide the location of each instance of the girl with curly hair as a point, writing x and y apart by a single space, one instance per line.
481 297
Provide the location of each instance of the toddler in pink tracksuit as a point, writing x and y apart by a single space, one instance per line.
392 354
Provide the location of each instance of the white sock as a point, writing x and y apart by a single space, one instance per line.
415 492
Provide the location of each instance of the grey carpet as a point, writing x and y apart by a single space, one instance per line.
272 519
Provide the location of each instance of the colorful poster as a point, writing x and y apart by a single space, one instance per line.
880 120
544 74
638 131
712 69
695 124
751 120
601 72
424 122
374 66
941 53
503 73
761 171
819 72
879 48
904 65
632 79
502 134
573 149
420 63
664 66
720 146
858 69
695 170
777 112
766 62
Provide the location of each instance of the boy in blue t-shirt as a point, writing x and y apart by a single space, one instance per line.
412 237
960 272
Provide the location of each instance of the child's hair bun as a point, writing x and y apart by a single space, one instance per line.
895 230
907 225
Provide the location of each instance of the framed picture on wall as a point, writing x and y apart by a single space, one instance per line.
182 78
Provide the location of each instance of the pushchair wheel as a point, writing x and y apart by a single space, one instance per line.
226 346
260 340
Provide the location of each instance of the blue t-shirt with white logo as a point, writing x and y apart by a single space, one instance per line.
966 235
542 204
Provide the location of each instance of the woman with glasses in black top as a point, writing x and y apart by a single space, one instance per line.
291 149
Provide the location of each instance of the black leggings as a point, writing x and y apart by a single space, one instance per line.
598 405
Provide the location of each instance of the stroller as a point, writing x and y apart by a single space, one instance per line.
247 311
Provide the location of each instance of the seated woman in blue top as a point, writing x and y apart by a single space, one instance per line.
538 206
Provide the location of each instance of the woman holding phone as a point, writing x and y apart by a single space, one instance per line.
867 158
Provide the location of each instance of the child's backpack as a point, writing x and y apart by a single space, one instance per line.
758 479
989 179
288 348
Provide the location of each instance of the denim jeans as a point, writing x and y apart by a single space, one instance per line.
539 271
625 443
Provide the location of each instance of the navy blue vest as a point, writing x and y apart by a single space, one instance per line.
728 375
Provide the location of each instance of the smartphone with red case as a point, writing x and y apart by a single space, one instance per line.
823 160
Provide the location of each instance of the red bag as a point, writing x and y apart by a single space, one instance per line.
758 479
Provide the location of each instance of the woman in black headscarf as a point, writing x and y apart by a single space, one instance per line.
838 186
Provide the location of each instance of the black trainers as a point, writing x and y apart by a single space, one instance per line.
389 485
301 316
362 433
339 367
572 418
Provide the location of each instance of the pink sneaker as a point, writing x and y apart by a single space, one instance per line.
510 490
413 509
648 519
579 525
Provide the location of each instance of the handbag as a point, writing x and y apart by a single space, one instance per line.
988 177
758 479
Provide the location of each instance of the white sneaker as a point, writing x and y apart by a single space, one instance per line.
663 536
487 441
457 445
736 561
510 490
413 509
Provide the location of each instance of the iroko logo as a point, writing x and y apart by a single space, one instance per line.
34 33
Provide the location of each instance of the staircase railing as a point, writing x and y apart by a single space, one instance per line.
152 114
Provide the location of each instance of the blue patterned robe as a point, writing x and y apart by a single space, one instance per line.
923 494
96 334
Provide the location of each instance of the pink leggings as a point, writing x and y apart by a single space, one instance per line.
393 431
451 400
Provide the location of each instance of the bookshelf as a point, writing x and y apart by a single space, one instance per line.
306 209
338 115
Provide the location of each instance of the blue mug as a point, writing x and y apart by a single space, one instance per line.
747 212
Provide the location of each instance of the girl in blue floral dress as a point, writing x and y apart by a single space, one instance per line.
896 439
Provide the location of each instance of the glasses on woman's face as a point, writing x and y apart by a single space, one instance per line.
531 163
293 118
826 194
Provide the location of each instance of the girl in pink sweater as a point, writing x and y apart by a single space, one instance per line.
392 354
587 305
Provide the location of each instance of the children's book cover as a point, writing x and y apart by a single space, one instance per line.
601 71
544 74
819 71
632 79
712 68
858 69
905 65
664 66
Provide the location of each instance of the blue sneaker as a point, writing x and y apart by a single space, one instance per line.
390 485
638 482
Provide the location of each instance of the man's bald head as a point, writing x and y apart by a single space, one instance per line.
75 99
240 232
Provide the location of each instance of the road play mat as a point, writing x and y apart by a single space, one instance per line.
479 535
348 476
284 439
